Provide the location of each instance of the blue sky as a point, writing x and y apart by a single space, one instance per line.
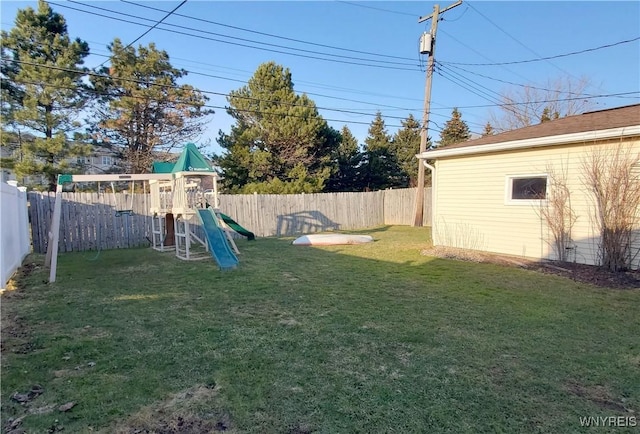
386 35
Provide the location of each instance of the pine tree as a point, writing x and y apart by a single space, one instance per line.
279 143
42 94
405 146
144 110
488 130
346 160
380 168
455 130
548 116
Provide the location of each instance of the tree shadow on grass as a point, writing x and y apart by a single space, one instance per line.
304 222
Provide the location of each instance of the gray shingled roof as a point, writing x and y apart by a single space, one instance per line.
591 121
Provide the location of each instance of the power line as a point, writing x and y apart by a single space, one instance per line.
490 93
379 63
459 17
310 83
512 83
271 35
609 95
468 88
557 56
131 80
477 89
308 93
58 86
376 104
346 111
474 90
480 54
156 24
520 43
380 9
151 28
79 71
244 82
526 47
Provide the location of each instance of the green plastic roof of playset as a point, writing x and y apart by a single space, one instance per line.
191 160
162 167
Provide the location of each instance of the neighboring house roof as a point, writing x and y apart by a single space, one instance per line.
99 150
596 125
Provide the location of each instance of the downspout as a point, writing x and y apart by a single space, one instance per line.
429 166
433 193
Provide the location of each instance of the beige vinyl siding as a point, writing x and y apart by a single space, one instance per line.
471 210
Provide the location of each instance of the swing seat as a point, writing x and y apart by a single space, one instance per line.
120 212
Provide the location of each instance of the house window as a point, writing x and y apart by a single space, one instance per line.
526 189
84 160
107 161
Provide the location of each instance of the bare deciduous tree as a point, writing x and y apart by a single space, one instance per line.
524 106
556 211
612 176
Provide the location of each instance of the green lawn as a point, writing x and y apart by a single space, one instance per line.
372 338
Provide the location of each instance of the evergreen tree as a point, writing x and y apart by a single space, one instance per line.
548 116
346 159
455 130
143 110
405 146
488 130
42 94
279 143
380 168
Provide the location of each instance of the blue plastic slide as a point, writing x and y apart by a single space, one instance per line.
218 244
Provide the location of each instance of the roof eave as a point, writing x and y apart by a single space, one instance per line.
585 136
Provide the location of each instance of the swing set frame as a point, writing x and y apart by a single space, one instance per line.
51 259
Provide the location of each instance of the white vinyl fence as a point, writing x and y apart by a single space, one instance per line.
14 230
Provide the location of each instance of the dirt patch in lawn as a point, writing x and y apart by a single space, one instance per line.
598 276
190 411
17 281
599 395
15 329
301 428
16 333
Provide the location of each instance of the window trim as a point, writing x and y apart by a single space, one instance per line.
107 158
508 190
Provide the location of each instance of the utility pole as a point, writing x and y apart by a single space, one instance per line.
419 202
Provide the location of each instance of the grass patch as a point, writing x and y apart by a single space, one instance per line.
361 338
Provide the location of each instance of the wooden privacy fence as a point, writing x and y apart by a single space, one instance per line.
90 222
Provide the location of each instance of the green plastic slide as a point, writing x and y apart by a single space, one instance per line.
218 244
236 227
